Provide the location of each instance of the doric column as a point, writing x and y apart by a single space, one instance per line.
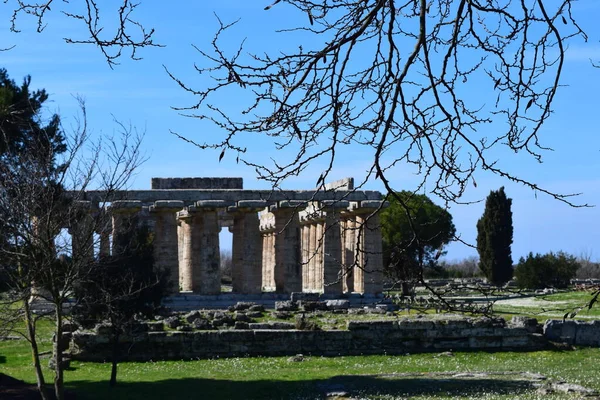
305 257
313 247
166 246
124 220
267 226
180 261
318 265
247 250
200 271
369 244
209 274
288 265
190 226
332 247
348 259
81 230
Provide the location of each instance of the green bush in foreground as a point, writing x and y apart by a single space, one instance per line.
548 270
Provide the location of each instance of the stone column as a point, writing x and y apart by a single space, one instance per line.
180 260
312 254
267 226
370 245
81 230
209 273
304 252
318 265
123 222
288 264
166 246
247 251
190 226
332 247
348 244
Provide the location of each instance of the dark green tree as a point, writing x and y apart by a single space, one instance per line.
120 288
494 238
414 232
548 270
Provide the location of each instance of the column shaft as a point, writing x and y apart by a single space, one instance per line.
332 254
247 253
288 266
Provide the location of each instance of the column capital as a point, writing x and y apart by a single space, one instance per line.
125 206
203 205
367 206
166 206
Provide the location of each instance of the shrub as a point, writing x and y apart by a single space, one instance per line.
548 270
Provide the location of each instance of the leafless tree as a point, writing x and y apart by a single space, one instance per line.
37 202
392 79
119 31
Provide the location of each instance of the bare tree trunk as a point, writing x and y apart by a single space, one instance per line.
115 361
39 375
59 389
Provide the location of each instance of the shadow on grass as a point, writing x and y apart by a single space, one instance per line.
360 386
2 359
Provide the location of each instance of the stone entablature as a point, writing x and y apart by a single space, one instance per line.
326 240
197 183
191 196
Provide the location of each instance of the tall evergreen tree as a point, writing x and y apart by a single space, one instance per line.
494 238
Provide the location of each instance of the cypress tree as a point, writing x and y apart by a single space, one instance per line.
494 238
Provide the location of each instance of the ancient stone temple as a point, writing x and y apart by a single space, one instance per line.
284 241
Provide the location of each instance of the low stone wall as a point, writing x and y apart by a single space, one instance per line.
361 337
573 332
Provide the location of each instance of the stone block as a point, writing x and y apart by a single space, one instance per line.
337 304
192 316
560 331
588 334
167 205
157 326
211 204
252 204
240 316
272 325
530 324
241 325
201 324
172 322
286 305
243 305
310 306
339 204
300 296
371 325
197 183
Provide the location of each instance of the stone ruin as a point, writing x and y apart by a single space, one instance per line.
325 240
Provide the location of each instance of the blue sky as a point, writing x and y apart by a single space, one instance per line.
141 93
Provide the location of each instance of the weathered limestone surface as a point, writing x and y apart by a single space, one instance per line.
192 195
573 332
247 255
166 243
200 254
361 337
124 215
197 183
288 265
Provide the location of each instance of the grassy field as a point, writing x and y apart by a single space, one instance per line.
416 376
363 376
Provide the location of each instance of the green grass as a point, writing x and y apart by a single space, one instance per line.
411 376
247 378
553 306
